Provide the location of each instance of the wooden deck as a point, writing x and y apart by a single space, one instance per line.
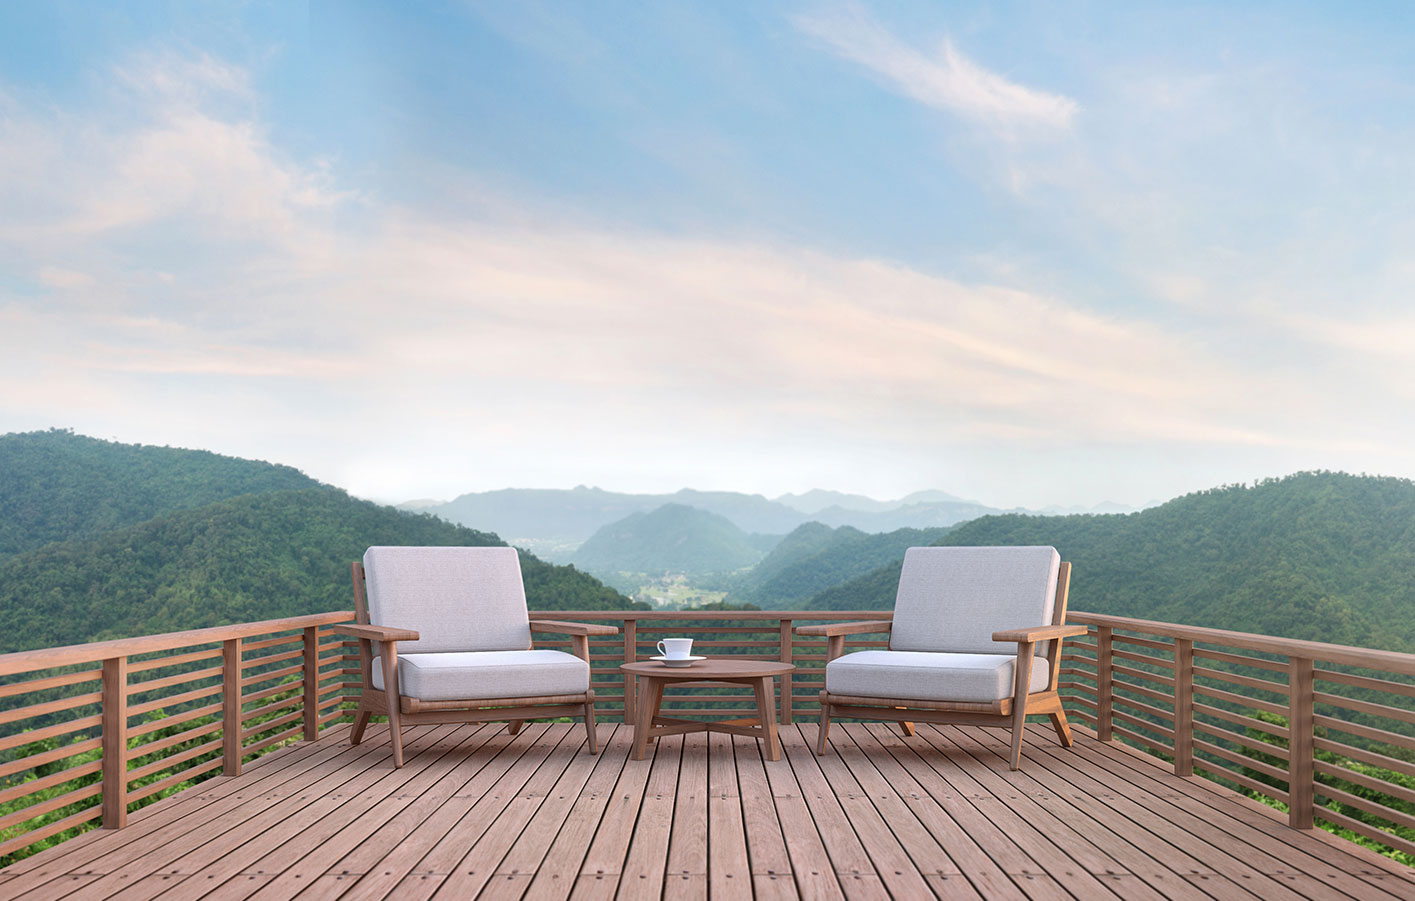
477 812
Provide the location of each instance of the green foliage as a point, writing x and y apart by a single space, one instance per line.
255 556
673 538
1321 556
814 558
1400 780
58 486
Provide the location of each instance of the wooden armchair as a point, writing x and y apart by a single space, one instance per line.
459 614
976 638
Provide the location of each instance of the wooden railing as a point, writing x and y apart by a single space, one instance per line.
1326 731
90 732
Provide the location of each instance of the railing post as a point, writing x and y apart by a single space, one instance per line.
231 706
631 655
1183 707
787 689
1104 689
311 673
1300 775
115 742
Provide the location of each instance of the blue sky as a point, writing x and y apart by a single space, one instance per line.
1032 253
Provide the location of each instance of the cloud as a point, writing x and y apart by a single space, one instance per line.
948 81
231 297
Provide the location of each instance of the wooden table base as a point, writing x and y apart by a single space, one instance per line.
650 725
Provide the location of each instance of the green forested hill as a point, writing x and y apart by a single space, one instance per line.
259 556
1321 556
56 486
815 557
673 538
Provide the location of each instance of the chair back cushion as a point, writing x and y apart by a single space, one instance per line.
457 598
952 599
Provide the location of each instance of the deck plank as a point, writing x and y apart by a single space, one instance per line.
810 862
527 825
729 871
1378 871
1188 824
688 843
1218 872
477 812
1079 812
297 862
433 847
1053 850
891 862
539 851
643 872
302 829
214 826
595 837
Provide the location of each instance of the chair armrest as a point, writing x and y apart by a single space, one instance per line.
376 633
832 629
552 625
1039 633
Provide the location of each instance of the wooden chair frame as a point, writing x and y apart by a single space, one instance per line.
403 711
1011 711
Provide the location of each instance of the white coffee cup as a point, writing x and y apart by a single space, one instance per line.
676 648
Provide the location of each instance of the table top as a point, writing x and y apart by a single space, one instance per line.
711 668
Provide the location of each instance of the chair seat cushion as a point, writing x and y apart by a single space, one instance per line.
928 676
469 675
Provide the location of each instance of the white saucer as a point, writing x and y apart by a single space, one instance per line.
680 661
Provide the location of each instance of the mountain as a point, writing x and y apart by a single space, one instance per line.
673 538
817 499
930 515
56 486
815 557
258 556
554 522
136 540
1319 555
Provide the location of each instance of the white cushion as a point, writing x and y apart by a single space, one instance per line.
456 598
487 674
955 598
922 676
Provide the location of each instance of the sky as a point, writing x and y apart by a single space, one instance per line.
1026 253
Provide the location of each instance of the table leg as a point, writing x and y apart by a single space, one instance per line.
647 710
767 715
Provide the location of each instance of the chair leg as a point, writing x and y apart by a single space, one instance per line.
1019 702
824 732
590 732
361 719
1063 729
906 726
514 726
395 718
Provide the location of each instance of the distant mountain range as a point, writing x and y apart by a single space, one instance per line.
106 540
555 522
674 538
1321 556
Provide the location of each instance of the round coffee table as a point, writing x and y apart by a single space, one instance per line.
653 676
